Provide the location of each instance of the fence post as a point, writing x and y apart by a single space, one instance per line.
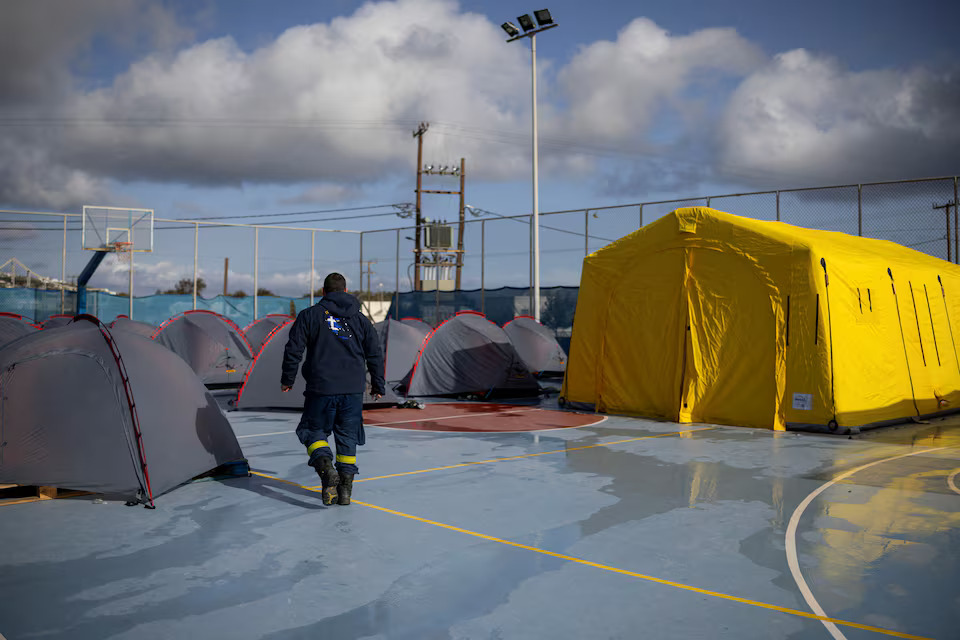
859 209
256 268
196 253
483 254
778 205
360 281
396 279
641 217
129 287
586 233
63 270
313 268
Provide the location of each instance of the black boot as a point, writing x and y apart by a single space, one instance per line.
346 488
329 479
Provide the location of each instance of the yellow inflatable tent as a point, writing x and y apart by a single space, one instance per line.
703 316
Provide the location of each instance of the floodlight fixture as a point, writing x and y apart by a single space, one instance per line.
543 17
429 167
510 28
526 22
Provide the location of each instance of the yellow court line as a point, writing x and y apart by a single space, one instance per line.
633 574
529 455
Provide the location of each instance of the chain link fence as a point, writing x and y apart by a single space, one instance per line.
247 271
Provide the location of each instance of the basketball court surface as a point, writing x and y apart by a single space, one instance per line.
474 520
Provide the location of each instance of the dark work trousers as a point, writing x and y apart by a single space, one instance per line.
341 415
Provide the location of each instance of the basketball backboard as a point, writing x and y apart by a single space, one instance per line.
104 227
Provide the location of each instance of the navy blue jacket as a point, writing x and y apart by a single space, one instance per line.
341 344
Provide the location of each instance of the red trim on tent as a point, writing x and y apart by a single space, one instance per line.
269 315
520 316
414 318
423 345
21 318
227 320
254 361
134 417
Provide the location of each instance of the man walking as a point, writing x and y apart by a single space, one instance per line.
342 346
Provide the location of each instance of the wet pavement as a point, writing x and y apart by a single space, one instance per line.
623 529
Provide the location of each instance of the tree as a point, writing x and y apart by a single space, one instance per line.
559 307
264 292
185 286
239 293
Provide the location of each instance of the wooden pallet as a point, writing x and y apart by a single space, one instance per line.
18 493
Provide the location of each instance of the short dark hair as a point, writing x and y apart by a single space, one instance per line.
334 282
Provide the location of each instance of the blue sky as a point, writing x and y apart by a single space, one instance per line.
237 108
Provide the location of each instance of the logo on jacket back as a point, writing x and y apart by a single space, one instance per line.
338 326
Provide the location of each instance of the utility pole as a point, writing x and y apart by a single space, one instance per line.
452 171
369 302
946 210
418 134
226 270
460 231
369 271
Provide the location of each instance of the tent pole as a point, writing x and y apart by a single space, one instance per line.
903 341
949 326
833 393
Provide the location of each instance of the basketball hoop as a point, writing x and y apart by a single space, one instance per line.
124 251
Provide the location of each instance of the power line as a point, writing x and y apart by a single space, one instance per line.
397 205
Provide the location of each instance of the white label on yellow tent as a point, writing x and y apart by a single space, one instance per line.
803 401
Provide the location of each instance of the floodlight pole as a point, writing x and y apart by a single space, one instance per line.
535 221
535 218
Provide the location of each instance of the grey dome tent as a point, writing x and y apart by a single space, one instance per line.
257 331
57 320
13 326
129 418
124 323
537 346
469 354
417 322
402 342
261 385
213 346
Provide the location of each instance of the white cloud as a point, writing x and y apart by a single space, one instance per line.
804 119
326 193
615 89
333 105
325 102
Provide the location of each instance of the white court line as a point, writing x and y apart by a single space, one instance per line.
257 435
791 542
951 483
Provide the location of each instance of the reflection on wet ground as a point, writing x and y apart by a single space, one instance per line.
628 528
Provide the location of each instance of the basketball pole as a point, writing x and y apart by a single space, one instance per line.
84 278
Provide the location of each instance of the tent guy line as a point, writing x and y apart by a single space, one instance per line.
633 574
791 538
